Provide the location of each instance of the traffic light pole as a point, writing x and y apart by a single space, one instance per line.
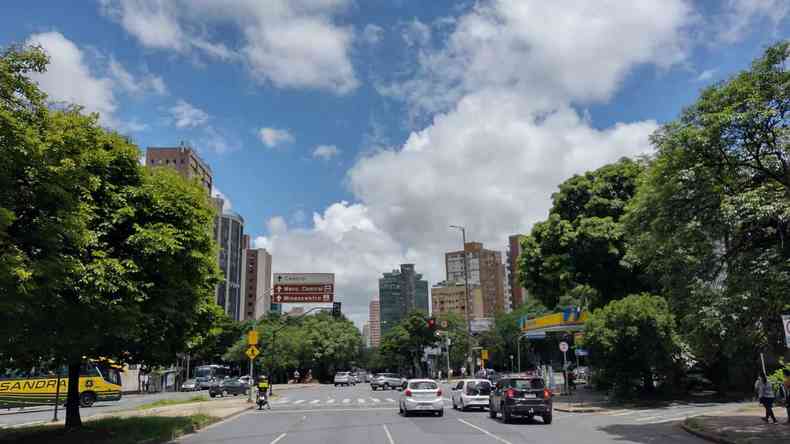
471 364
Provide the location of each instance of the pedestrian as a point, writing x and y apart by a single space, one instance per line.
785 391
765 393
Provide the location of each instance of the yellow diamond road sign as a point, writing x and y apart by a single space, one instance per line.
252 352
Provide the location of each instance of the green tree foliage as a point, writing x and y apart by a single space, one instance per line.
711 218
575 256
633 342
501 341
403 345
98 255
318 342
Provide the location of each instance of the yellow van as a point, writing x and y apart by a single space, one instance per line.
98 382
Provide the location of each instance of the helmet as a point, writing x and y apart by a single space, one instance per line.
261 378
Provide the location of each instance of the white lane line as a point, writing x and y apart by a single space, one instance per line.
390 400
346 401
647 418
315 401
375 400
360 400
502 440
389 436
299 401
331 401
276 440
622 413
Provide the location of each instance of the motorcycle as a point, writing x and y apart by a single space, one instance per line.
263 400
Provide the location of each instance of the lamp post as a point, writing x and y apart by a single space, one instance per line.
468 299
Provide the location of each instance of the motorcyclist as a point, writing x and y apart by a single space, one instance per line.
263 391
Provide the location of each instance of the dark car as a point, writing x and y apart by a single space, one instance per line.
526 397
228 387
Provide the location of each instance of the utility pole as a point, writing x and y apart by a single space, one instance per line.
468 298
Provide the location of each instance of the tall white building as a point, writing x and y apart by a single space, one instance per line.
257 283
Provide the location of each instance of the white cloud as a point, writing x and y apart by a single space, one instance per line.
289 43
133 85
325 152
227 205
416 33
706 75
69 78
507 80
273 137
188 116
372 34
738 15
216 140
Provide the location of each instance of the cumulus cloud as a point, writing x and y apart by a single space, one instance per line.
416 33
502 93
372 34
706 75
738 15
187 116
325 152
288 43
136 85
273 137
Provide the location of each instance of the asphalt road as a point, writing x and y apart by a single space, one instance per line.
329 415
36 415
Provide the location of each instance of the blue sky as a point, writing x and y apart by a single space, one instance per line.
426 113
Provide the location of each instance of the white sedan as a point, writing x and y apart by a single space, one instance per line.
421 395
471 393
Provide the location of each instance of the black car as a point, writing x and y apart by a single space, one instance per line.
228 387
519 396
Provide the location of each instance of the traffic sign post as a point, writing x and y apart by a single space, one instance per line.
251 352
786 323
252 337
564 350
295 288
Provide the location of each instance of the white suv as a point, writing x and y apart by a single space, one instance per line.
471 393
344 378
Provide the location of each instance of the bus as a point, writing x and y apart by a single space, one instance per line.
205 375
99 381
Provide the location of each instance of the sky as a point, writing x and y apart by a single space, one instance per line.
350 134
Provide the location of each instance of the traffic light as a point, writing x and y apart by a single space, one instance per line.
432 323
335 309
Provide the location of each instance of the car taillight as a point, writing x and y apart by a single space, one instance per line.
439 392
407 393
546 393
510 393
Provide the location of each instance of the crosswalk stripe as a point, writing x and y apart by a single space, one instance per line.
315 401
361 401
375 400
299 401
346 401
390 400
331 401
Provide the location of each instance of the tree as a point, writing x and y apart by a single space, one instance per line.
632 342
575 256
99 257
404 343
711 218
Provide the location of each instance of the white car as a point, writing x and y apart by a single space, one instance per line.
469 393
344 378
421 395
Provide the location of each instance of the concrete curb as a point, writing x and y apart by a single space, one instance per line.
577 410
705 435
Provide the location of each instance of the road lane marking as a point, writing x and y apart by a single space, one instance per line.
331 401
376 400
390 400
315 401
276 440
389 436
346 401
336 409
360 400
502 440
299 401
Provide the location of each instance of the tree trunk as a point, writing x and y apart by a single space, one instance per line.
73 420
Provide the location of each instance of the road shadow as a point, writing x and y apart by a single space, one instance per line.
649 433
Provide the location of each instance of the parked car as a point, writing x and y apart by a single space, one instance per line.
527 397
386 381
421 395
230 386
344 378
469 393
190 385
355 376
246 379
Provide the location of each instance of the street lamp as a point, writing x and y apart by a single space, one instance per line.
511 364
468 299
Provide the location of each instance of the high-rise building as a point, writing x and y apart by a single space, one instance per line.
450 297
401 292
366 334
374 319
257 282
183 159
517 291
485 271
229 232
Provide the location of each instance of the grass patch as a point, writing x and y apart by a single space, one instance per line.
148 430
166 402
694 423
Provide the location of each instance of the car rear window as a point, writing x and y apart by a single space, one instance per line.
423 385
478 388
526 384
342 374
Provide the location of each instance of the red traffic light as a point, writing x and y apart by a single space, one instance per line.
431 323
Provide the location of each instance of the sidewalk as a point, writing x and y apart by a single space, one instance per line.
583 400
744 426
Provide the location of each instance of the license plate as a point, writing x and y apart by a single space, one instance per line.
530 396
424 407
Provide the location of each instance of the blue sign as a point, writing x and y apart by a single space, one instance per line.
535 335
581 352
